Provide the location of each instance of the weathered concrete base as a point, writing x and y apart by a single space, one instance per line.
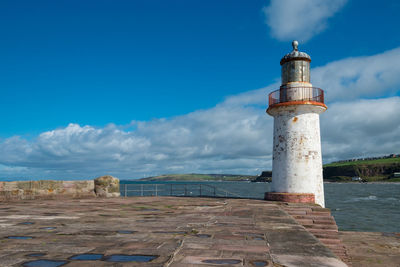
290 197
297 162
179 231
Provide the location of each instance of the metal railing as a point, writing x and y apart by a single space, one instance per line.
178 189
293 94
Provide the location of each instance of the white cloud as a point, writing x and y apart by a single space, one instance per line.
233 137
214 140
361 128
299 19
351 78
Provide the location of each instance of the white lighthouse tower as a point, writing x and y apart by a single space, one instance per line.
297 161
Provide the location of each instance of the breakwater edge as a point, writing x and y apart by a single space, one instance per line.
355 206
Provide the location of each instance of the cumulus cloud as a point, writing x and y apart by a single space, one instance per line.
361 128
233 137
351 78
343 80
299 19
213 140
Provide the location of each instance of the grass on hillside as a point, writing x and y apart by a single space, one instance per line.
364 162
198 177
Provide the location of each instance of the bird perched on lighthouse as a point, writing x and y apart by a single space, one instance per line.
297 160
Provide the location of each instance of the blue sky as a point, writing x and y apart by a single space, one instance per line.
137 88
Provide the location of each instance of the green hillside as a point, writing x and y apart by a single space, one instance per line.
364 162
199 177
370 170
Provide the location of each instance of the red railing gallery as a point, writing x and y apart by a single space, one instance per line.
293 94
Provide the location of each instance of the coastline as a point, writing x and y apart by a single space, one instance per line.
247 181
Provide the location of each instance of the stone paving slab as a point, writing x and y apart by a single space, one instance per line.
175 231
372 249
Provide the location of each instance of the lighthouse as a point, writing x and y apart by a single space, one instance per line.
297 160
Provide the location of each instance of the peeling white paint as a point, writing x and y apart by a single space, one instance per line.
297 161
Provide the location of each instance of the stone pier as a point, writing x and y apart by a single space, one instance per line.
165 231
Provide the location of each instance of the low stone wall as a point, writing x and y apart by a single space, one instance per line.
49 189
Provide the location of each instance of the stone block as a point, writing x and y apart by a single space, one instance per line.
331 241
330 221
322 226
319 213
106 186
297 212
305 221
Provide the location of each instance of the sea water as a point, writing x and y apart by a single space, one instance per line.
365 207
371 207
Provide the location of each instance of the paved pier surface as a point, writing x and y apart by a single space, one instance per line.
372 249
171 231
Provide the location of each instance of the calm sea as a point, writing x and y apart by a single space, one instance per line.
356 207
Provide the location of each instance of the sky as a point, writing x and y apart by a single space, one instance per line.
143 88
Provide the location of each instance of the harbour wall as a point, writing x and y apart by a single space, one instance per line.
104 186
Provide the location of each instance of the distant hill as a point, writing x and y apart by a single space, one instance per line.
199 177
381 169
364 162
